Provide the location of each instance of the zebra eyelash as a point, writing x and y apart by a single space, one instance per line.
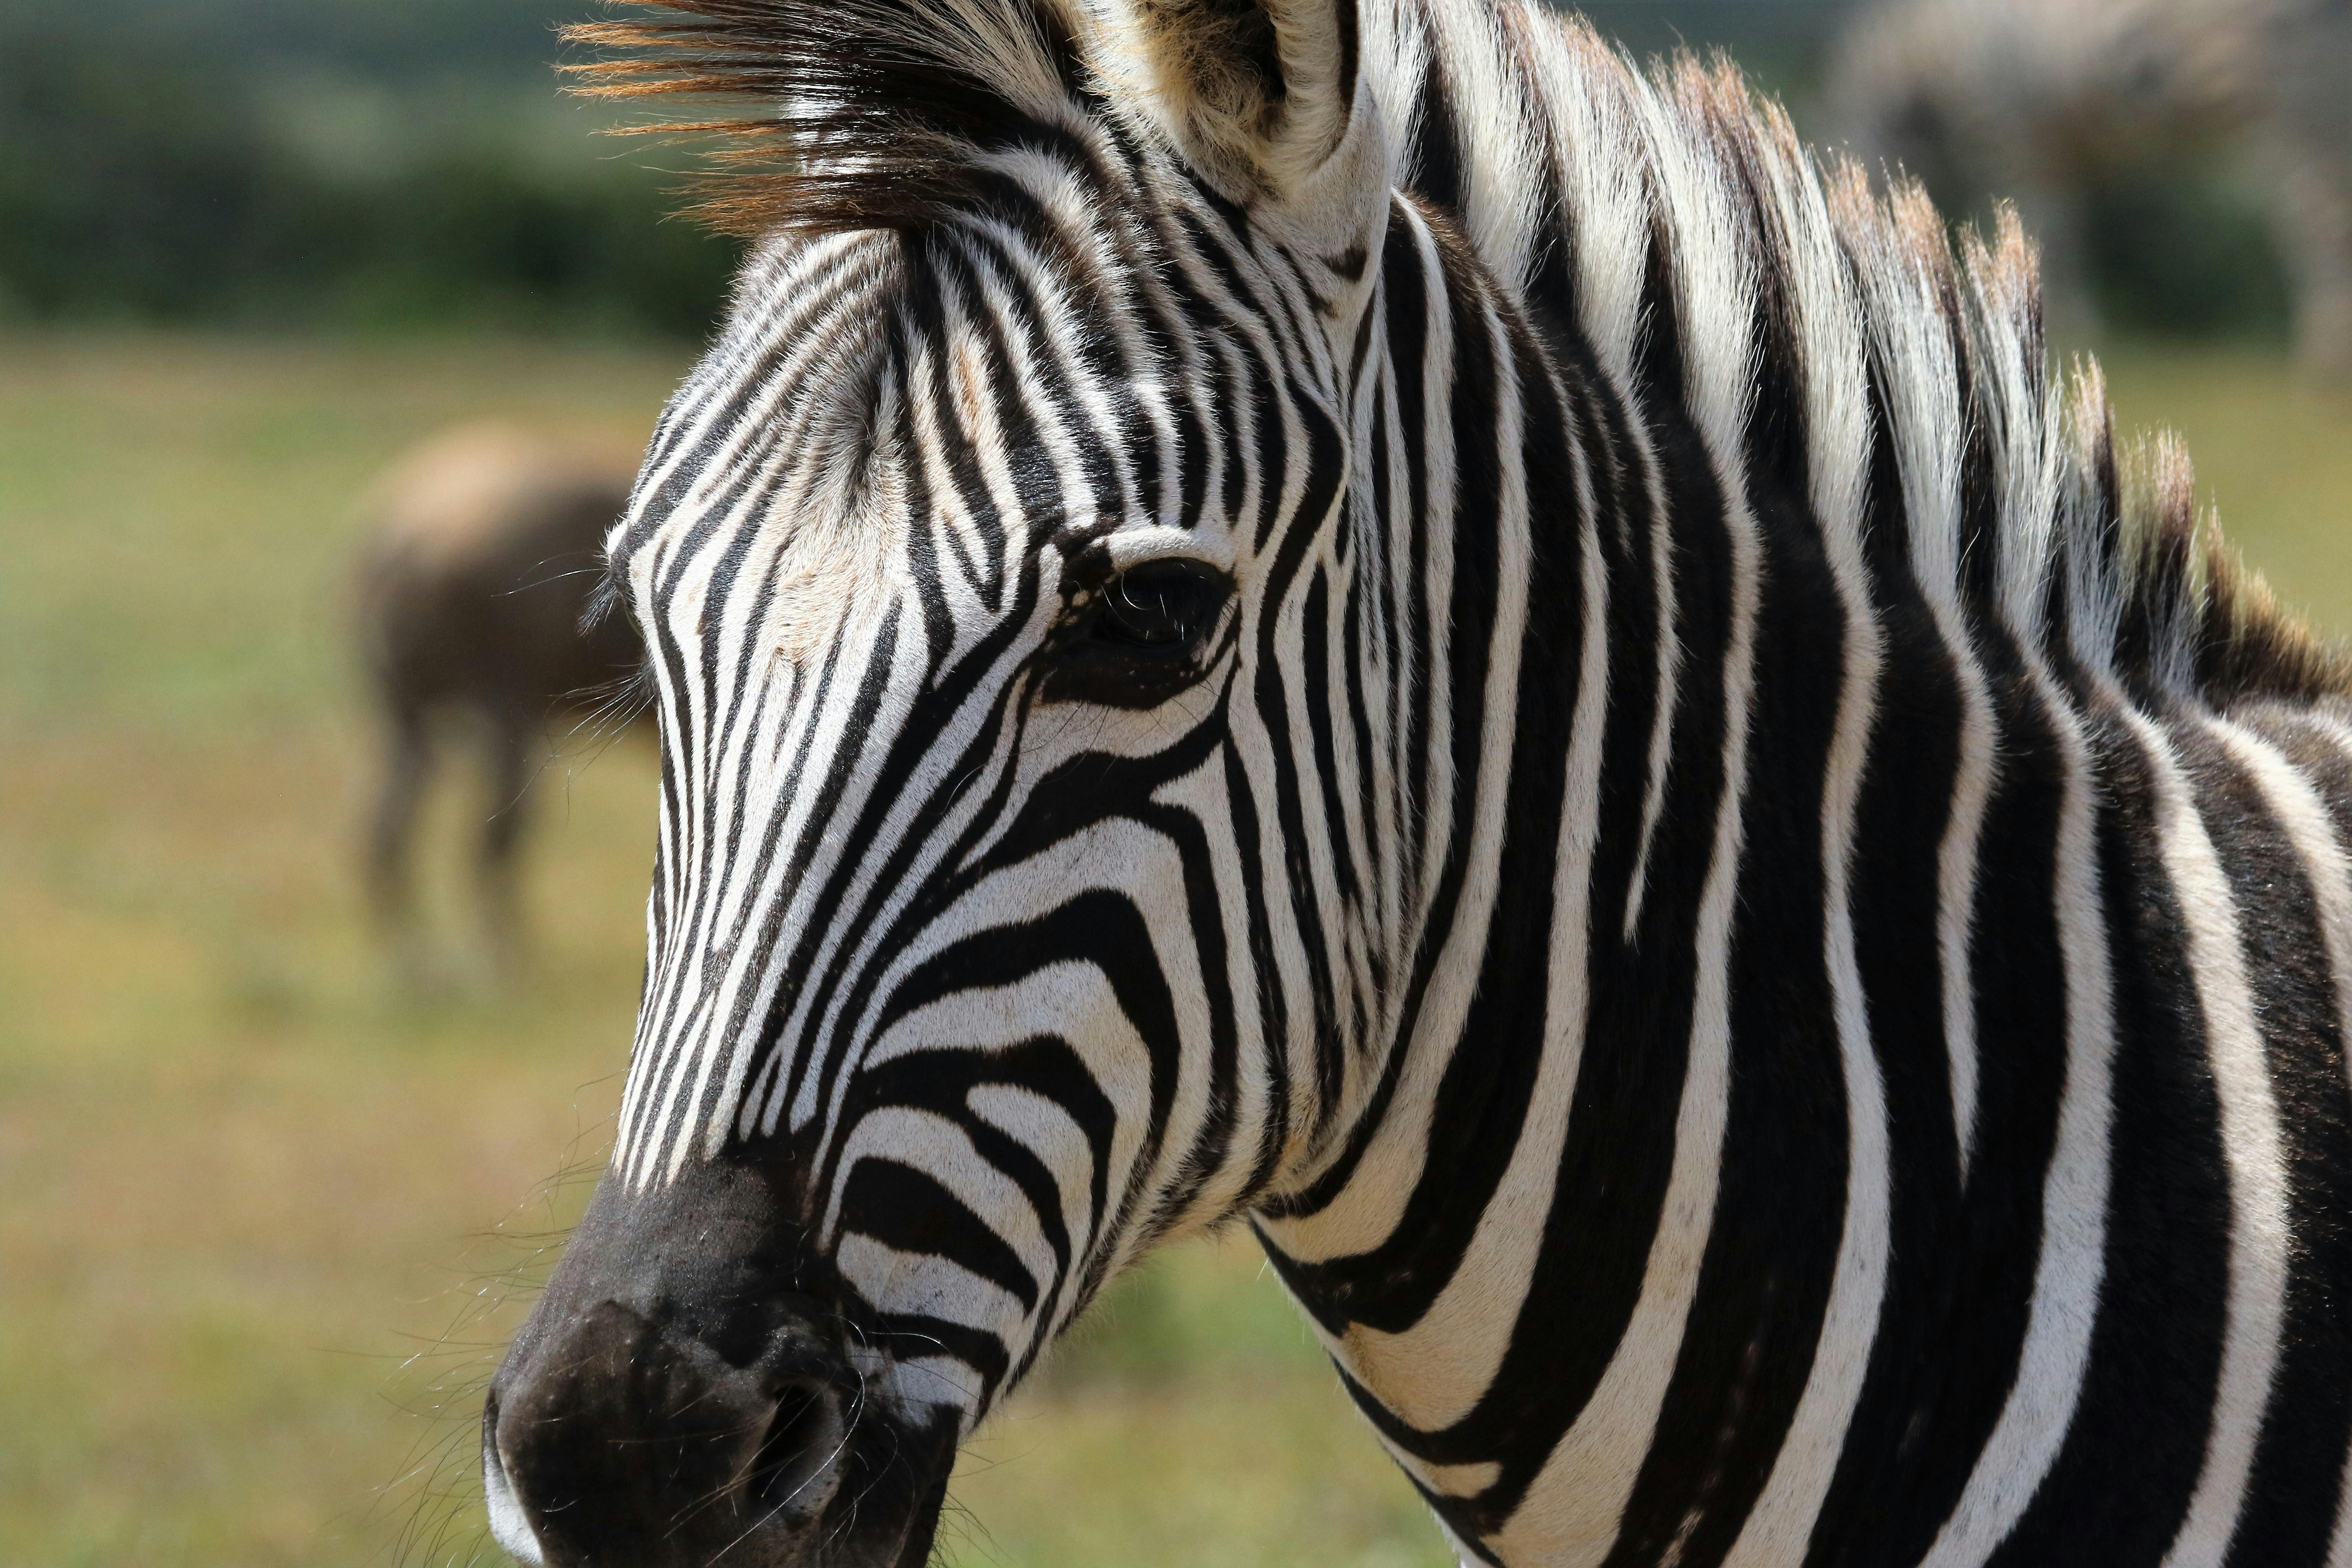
621 701
605 598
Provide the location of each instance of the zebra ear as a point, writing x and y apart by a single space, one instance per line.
1259 94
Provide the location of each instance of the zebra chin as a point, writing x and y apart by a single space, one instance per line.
691 1387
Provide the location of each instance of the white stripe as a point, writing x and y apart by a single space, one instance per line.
1434 1372
1368 1210
1956 884
2305 816
1573 1510
1913 348
2250 1139
1837 422
1602 169
2026 1438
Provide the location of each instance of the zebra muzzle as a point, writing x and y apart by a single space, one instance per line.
617 1437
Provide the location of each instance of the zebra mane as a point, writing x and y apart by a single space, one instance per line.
873 110
2123 568
2022 507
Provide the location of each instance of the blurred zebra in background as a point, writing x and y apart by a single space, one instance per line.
2038 100
483 547
1361 619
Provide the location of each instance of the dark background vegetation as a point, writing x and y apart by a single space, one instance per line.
390 163
298 162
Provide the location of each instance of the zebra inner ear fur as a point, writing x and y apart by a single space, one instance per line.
1259 93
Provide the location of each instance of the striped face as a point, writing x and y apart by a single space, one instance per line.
961 562
993 572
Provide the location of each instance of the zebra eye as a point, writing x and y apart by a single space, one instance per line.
1160 607
1140 639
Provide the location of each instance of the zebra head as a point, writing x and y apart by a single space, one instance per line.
989 571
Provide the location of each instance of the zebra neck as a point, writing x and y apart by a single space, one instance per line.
1519 668
1581 699
1816 1002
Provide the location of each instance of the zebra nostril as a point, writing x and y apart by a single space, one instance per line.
804 1434
621 1438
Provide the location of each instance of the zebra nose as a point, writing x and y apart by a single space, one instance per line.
625 1440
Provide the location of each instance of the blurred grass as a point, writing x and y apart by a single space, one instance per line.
264 1223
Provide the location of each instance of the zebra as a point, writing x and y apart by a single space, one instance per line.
479 557
1368 620
2040 99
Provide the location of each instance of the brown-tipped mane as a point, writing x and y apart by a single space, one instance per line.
875 106
2194 616
2249 646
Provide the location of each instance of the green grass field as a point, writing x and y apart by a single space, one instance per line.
264 1221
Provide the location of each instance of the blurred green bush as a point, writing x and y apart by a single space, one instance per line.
140 180
2186 252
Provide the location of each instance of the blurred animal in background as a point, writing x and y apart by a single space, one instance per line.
486 545
2040 101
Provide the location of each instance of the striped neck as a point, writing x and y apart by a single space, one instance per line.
1773 635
